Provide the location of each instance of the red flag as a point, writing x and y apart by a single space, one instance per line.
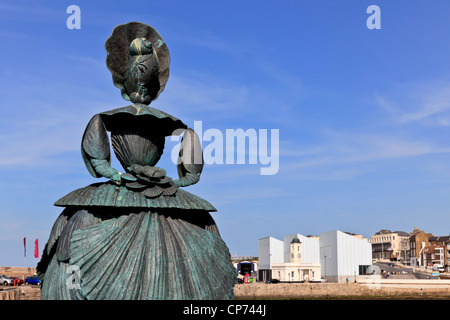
36 249
25 246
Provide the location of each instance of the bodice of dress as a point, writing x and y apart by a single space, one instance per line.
138 133
136 146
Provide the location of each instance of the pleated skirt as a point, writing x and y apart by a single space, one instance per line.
101 253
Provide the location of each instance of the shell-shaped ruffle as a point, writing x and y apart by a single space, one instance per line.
150 181
108 194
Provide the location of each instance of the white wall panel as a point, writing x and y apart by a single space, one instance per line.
347 253
310 248
270 250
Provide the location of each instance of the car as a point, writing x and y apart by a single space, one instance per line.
273 281
32 280
438 267
17 280
6 281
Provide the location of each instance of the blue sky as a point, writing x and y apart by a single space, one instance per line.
363 115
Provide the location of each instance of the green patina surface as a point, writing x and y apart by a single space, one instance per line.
138 235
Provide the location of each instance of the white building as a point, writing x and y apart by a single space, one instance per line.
344 256
273 251
337 254
295 269
270 251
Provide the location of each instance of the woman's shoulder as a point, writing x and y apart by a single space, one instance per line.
137 113
141 110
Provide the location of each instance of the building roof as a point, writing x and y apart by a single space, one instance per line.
295 240
440 238
402 233
383 231
416 232
431 249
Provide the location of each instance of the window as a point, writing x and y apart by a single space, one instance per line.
363 269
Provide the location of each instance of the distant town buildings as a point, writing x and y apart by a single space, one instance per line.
296 267
417 248
337 256
418 240
275 252
437 252
387 244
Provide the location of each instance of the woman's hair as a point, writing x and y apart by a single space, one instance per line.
117 49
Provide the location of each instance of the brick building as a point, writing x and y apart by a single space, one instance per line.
418 240
441 245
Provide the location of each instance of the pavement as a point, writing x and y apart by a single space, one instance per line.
419 272
2 287
419 278
406 283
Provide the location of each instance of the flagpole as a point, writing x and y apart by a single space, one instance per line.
25 252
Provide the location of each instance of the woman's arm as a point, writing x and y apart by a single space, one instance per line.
190 159
95 149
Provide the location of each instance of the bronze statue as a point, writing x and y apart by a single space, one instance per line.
137 235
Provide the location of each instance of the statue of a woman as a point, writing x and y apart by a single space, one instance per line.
138 235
